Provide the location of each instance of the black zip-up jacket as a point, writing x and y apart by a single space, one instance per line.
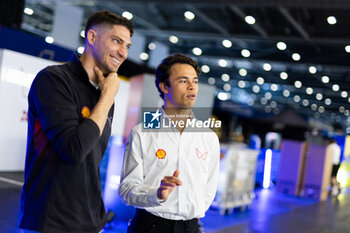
62 188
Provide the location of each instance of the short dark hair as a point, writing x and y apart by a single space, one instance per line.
163 70
332 140
110 19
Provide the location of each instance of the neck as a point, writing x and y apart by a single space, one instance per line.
178 114
88 64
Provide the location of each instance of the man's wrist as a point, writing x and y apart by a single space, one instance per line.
159 196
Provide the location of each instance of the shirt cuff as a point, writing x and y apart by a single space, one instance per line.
155 199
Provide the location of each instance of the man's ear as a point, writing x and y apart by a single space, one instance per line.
164 87
91 36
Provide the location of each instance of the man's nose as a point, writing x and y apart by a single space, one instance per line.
123 52
192 85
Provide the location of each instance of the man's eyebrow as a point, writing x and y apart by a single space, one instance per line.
129 44
185 77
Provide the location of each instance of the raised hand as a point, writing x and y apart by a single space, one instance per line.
108 85
167 185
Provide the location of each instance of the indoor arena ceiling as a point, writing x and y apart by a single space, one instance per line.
310 73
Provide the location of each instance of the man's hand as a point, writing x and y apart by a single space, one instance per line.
108 85
167 185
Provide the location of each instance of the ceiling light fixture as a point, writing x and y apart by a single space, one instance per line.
225 77
296 99
296 56
241 84
325 79
286 93
245 53
211 81
189 16
309 90
250 102
273 104
224 96
347 48
152 46
305 102
260 80
298 84
80 49
128 15
205 68
268 109
227 87
274 87
331 20
49 39
319 96
242 72
256 89
173 39
28 11
321 109
312 70
268 95
263 101
281 45
227 43
344 94
82 33
196 51
283 75
267 67
249 19
222 63
144 56
335 87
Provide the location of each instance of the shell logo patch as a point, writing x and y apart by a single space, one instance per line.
85 112
160 154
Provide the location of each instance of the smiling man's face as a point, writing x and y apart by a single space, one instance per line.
110 47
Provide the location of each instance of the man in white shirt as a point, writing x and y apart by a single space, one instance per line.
171 174
335 150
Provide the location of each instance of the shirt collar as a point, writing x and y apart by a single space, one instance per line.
94 84
77 68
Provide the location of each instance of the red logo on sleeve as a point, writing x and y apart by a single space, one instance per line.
85 112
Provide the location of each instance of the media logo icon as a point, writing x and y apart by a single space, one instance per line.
151 120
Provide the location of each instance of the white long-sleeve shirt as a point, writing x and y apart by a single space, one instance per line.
195 154
335 150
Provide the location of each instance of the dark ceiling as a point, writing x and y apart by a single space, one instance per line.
301 25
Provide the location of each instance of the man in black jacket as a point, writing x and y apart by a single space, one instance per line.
69 123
